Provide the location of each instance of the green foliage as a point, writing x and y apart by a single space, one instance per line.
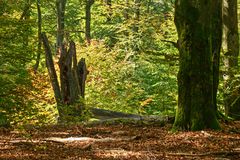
73 114
129 70
14 57
138 86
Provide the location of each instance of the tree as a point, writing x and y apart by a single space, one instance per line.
199 30
39 15
60 5
15 55
89 4
72 77
231 51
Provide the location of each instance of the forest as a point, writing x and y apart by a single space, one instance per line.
119 79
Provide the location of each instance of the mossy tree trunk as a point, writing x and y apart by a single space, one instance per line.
199 30
231 51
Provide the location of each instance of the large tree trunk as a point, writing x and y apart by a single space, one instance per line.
231 51
216 40
60 5
197 23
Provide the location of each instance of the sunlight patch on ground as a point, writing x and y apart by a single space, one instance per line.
120 154
69 139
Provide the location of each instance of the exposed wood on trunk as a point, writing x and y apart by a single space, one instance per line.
74 82
72 75
72 78
83 72
65 68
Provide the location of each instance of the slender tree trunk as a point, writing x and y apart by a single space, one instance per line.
197 23
39 36
89 4
231 52
25 17
51 70
60 5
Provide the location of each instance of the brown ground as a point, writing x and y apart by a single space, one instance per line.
120 142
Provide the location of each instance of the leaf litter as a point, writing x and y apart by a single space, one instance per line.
120 142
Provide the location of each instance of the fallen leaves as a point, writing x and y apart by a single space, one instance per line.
120 142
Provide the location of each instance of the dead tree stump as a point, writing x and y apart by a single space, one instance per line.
73 76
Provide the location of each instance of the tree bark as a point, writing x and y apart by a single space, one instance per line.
216 40
89 4
197 23
72 78
83 72
60 5
39 49
74 86
65 68
51 70
231 52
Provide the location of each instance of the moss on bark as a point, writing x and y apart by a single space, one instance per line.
197 84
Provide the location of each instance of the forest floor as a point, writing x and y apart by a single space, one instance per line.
118 141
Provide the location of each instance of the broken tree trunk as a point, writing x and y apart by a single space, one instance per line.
72 77
51 70
83 72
